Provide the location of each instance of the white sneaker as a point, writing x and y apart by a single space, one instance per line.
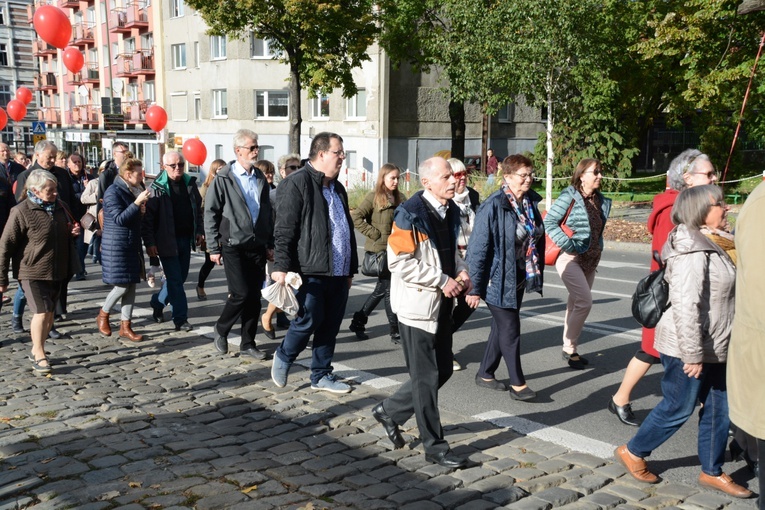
330 383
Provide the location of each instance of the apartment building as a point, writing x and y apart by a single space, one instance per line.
17 68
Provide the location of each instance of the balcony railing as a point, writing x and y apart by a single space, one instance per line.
118 21
135 111
41 49
125 65
73 4
143 62
137 17
49 115
45 81
90 73
74 78
84 114
82 34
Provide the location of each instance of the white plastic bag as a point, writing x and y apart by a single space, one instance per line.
282 296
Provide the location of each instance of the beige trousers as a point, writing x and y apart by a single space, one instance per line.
579 286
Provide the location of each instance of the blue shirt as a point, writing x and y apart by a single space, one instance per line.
250 187
340 232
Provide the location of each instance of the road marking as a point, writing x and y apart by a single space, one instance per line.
615 264
594 291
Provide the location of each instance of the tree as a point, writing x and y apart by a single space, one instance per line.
322 42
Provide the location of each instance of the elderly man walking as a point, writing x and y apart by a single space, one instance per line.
427 273
240 235
171 228
314 237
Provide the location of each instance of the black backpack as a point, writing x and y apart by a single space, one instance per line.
650 300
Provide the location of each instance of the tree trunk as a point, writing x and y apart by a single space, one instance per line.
549 143
457 118
484 140
296 118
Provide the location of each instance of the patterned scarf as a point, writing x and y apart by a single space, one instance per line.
533 273
722 239
47 206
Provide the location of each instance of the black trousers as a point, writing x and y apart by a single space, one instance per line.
245 273
461 313
381 292
429 361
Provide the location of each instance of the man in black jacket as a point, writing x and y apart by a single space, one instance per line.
314 237
106 178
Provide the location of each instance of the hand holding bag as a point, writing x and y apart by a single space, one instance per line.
552 250
89 222
375 264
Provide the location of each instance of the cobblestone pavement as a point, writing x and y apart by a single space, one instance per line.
168 423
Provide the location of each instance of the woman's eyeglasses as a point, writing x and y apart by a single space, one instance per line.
459 175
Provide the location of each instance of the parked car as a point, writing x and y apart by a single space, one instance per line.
473 165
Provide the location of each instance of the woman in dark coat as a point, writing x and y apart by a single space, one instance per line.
121 254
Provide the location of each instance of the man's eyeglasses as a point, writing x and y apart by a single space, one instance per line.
251 147
174 166
339 154
292 167
459 175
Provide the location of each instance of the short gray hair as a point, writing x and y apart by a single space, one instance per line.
429 165
44 145
693 204
457 165
38 178
168 153
243 134
684 162
283 160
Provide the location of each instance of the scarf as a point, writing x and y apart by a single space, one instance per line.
723 240
467 220
135 190
47 206
533 272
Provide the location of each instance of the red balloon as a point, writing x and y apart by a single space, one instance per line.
156 118
194 151
3 119
23 94
73 59
53 26
17 110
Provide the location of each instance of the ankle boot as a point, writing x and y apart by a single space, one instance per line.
357 325
103 323
395 336
16 324
127 332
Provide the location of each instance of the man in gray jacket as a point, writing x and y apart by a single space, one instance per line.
240 232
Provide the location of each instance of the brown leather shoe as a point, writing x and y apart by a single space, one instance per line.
724 484
127 332
637 468
103 323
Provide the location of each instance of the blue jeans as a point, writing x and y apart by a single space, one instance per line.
322 306
176 271
19 301
680 394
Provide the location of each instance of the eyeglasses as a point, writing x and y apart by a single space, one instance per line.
719 203
123 151
459 175
594 172
174 166
526 176
339 154
251 147
292 167
712 174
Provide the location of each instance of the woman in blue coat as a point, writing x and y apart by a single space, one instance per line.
121 252
505 256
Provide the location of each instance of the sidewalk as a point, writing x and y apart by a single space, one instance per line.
168 423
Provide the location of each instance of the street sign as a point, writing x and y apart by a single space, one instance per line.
114 122
37 138
38 127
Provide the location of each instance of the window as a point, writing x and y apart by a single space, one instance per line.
130 45
197 107
2 16
147 41
259 48
320 107
179 56
115 51
271 104
220 104
148 91
105 54
357 105
132 91
178 106
3 54
176 8
5 94
196 54
92 15
218 151
351 160
507 113
217 47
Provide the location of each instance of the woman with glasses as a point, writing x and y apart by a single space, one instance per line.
374 219
587 211
208 265
692 338
505 262
690 168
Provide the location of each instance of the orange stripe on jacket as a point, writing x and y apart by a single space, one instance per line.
402 241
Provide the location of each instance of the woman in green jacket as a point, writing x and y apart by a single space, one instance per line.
580 253
374 219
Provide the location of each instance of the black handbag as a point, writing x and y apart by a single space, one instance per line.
650 300
89 222
375 264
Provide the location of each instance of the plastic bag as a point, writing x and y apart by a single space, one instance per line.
282 296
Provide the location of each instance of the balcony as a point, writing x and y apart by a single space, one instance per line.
69 4
45 81
125 65
49 115
74 79
42 49
137 17
143 62
90 73
118 22
135 111
82 34
84 114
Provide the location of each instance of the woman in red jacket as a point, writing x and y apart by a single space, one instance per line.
690 168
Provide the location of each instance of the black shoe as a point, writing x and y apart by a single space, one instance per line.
255 353
524 394
446 459
221 344
624 413
185 326
395 339
158 315
391 429
492 384
575 361
54 334
59 317
358 325
270 334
